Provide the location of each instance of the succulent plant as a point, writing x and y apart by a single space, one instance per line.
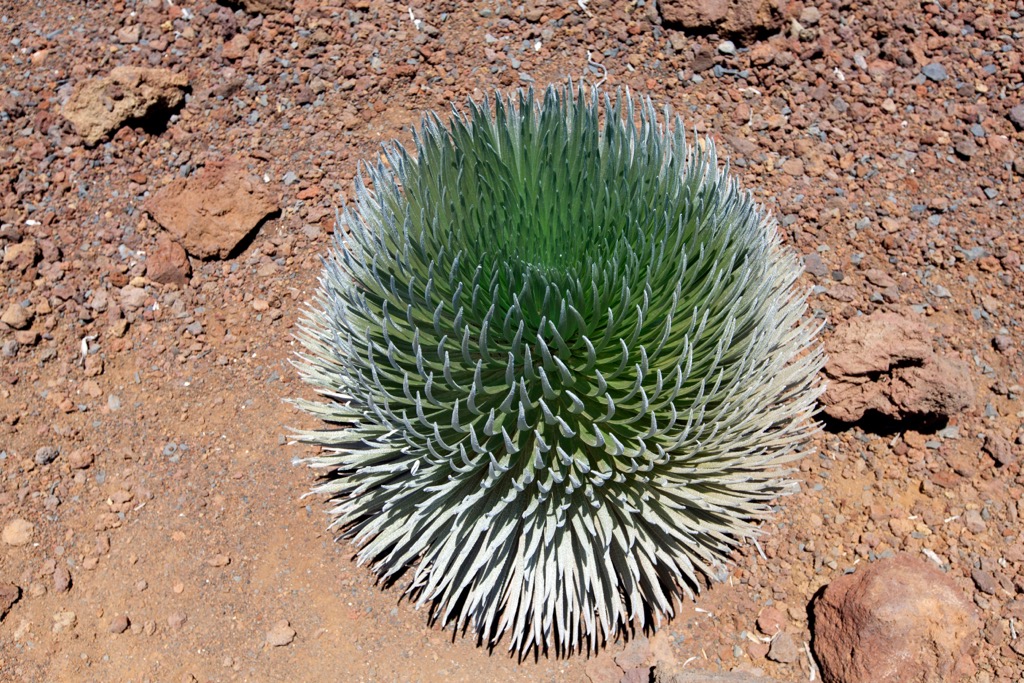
565 364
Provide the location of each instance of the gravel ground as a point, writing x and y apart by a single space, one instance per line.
151 516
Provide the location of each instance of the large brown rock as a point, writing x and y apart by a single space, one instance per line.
886 363
99 106
942 386
264 6
877 343
743 19
214 210
899 620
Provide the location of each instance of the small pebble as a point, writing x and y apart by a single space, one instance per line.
219 561
64 621
783 649
814 265
966 148
810 16
281 634
46 455
118 624
984 581
18 532
80 458
934 72
1017 116
61 580
770 621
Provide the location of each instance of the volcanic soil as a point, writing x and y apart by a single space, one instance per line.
154 526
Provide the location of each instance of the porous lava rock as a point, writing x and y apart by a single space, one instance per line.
211 212
263 6
898 620
733 18
885 362
99 106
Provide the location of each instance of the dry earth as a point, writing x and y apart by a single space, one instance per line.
153 522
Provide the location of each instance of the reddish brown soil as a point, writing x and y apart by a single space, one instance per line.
866 162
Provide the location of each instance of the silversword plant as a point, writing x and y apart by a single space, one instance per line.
565 367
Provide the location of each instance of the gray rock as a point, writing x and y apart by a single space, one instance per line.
10 348
1000 450
814 265
1016 116
984 581
934 72
46 455
966 148
784 649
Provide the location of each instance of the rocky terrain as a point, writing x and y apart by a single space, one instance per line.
169 177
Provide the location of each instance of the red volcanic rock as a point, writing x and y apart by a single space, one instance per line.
885 362
735 18
899 620
214 210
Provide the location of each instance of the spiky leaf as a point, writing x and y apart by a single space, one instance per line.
565 364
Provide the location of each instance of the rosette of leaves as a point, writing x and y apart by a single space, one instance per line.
565 365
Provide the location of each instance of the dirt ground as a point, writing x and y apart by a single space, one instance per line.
167 535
